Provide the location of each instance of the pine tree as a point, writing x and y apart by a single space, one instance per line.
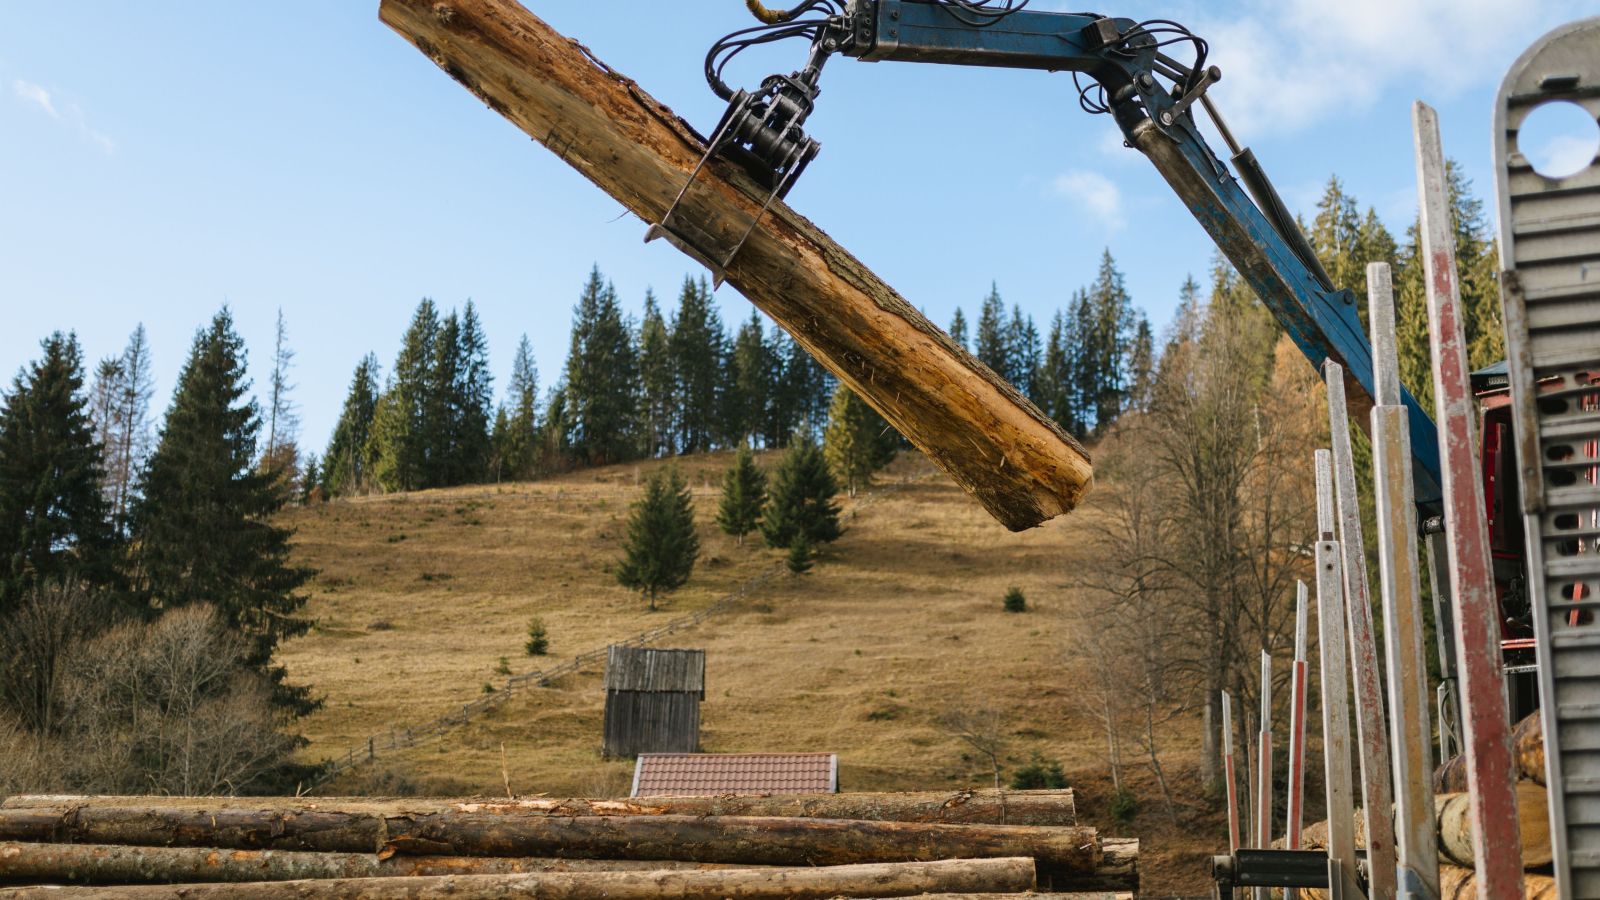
402 426
662 544
347 463
657 383
744 493
991 346
800 499
750 383
499 441
798 560
857 441
1084 361
203 530
54 521
441 409
517 444
1335 235
280 457
602 378
698 346
958 329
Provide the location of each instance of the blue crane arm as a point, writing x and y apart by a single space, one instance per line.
1258 236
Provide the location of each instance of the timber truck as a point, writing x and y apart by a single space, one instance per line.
1540 410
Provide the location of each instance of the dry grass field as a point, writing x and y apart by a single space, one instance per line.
420 596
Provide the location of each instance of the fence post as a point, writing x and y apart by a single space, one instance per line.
371 750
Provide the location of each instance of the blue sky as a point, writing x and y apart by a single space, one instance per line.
156 165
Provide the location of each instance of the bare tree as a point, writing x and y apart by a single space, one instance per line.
37 640
168 707
979 727
281 453
120 407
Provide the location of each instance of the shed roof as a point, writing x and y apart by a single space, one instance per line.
710 774
653 669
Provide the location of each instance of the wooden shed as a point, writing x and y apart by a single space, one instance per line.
653 700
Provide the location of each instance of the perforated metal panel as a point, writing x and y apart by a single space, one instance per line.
1550 247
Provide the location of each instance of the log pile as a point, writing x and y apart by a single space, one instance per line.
842 845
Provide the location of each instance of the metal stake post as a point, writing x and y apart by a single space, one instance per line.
1297 732
1496 839
1400 586
1264 767
1227 768
1335 690
1371 735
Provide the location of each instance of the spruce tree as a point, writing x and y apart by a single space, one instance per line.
499 444
517 446
662 544
750 383
958 328
1055 394
401 425
602 378
744 494
800 499
1022 340
991 346
441 408
311 479
471 394
54 522
1141 365
203 530
657 383
347 463
698 346
857 441
1086 373
1111 312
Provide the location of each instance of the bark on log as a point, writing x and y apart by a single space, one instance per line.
874 880
23 863
1064 851
1527 751
997 445
981 807
1455 827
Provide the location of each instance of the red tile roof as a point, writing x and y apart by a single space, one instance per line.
709 774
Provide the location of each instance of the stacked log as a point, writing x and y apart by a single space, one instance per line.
965 843
1454 828
1527 751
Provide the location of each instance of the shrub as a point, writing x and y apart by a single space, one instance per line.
1015 602
1039 774
504 668
1124 806
538 643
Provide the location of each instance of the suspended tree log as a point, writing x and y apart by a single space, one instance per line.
1454 828
875 880
1527 751
1066 852
22 863
997 445
987 807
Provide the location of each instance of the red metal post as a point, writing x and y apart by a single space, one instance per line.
1227 766
1496 839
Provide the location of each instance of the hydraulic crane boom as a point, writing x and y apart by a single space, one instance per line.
1152 97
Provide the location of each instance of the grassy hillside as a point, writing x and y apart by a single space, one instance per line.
419 596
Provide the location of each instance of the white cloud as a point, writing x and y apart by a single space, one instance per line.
36 95
1288 64
1093 193
71 114
1565 155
